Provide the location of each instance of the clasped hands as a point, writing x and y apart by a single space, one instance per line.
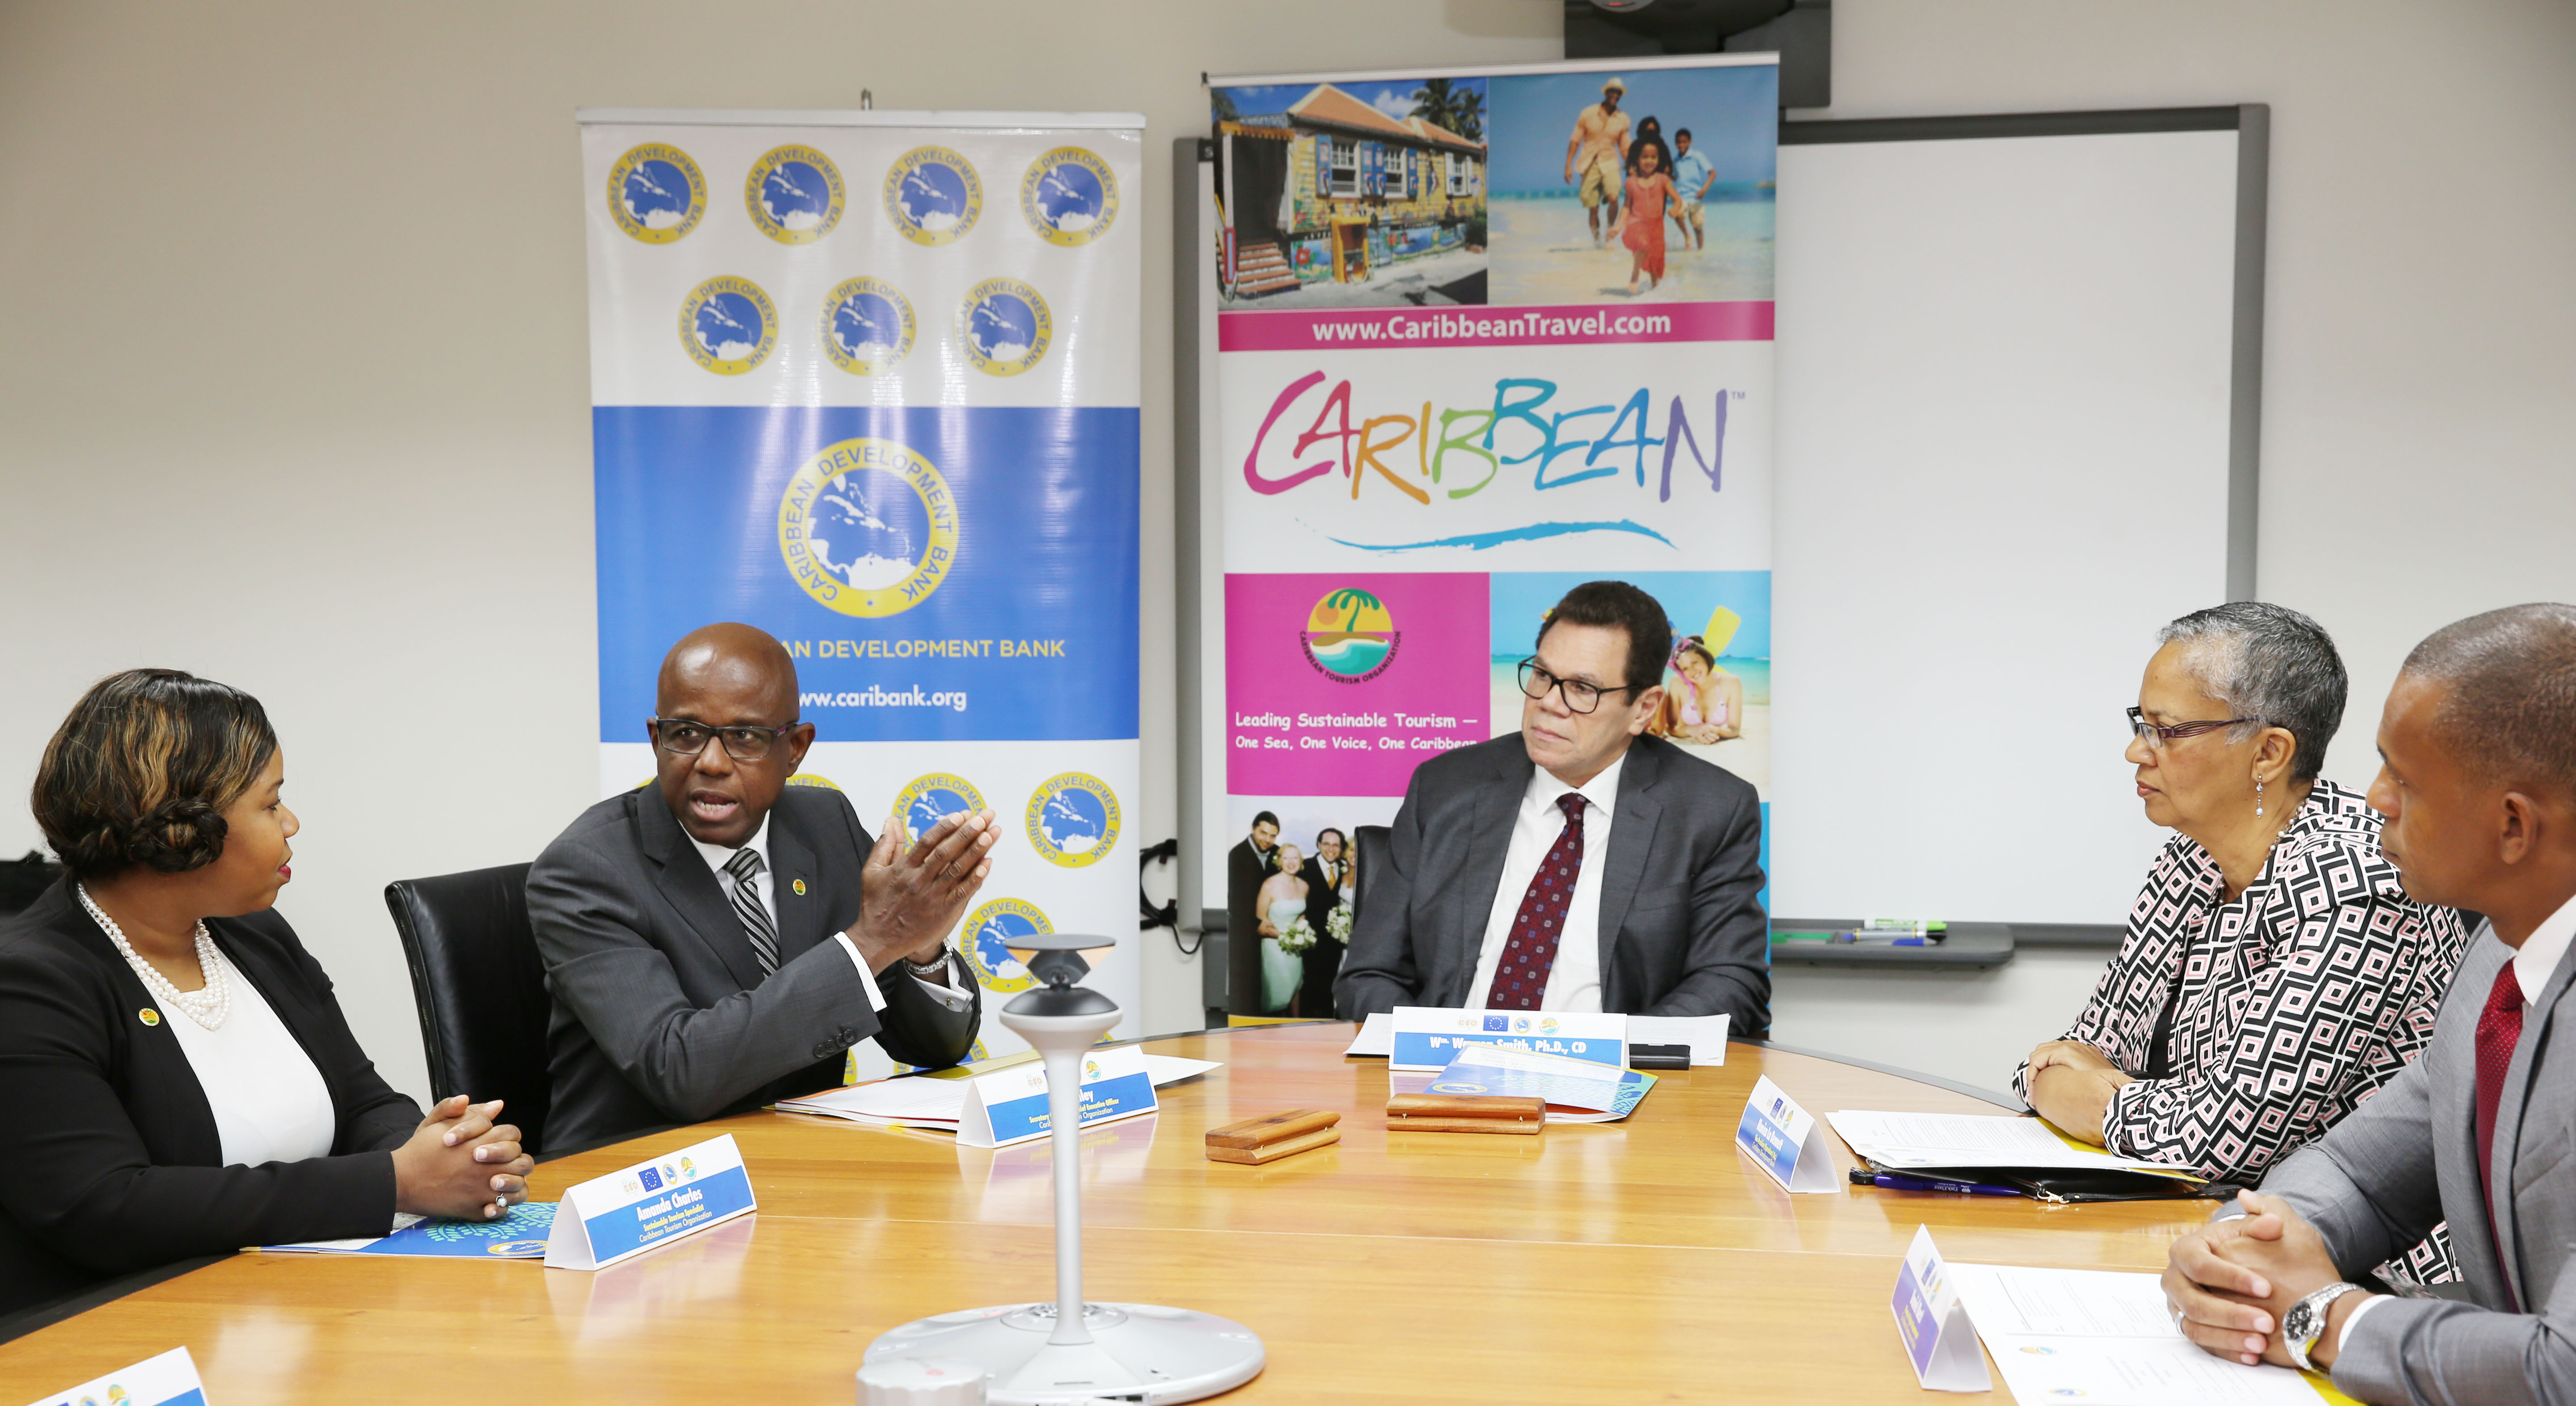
2071 1084
2231 1282
909 899
460 1164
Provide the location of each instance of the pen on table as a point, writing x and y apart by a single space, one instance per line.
1894 1181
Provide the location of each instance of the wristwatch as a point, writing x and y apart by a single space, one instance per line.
2306 1322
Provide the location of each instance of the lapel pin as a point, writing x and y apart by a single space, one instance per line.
148 1016
799 886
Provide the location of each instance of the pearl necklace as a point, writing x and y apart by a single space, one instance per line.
208 1005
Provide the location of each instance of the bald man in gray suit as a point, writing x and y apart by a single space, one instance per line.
2478 744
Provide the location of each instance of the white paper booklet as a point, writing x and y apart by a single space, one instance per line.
1971 1140
2103 1338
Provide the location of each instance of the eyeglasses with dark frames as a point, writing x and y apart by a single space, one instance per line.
681 737
2157 736
1580 697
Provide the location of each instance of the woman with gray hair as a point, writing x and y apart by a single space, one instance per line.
2274 974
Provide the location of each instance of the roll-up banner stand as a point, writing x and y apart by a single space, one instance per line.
869 381
1481 335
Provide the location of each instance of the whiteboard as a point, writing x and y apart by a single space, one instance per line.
2020 382
2018 377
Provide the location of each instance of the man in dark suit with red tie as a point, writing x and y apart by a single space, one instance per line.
2478 745
1576 865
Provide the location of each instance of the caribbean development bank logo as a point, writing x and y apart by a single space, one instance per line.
728 325
990 931
656 193
1069 196
933 195
933 798
868 527
1073 819
795 194
1349 636
867 325
1005 326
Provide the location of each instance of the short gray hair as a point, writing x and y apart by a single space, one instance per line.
2271 664
2511 714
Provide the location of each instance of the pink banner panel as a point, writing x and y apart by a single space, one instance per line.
1408 328
1339 684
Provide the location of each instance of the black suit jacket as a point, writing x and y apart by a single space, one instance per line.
1682 930
116 1164
1322 893
661 1014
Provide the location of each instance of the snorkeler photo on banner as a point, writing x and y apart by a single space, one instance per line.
1482 335
889 362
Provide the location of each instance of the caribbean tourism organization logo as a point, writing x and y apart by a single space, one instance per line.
933 798
867 325
990 931
795 194
1073 819
1349 636
656 193
1005 326
1069 196
933 195
728 325
868 527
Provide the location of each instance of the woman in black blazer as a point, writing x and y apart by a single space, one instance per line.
160 793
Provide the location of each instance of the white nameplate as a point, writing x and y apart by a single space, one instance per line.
167 1380
1784 1140
1010 1105
1428 1037
623 1214
1939 1340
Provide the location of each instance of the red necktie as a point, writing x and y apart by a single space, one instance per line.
2499 1027
1529 954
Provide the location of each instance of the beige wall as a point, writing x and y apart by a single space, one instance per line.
295 388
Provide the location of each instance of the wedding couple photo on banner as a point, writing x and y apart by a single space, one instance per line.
1482 336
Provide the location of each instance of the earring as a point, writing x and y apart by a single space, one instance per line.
2258 795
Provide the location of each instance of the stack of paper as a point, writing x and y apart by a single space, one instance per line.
2105 1339
939 1104
1705 1034
1575 1090
1973 1140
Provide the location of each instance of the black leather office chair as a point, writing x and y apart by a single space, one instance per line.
1374 841
481 989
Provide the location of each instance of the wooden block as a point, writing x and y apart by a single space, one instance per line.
1419 1123
1467 1106
1271 1127
1273 1151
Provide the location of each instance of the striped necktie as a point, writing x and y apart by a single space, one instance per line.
756 922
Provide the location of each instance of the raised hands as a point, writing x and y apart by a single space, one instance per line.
909 899
460 1164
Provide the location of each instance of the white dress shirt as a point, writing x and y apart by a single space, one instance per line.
269 1101
764 887
1574 982
2534 962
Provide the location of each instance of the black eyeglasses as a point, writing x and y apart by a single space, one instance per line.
1580 697
744 744
2156 737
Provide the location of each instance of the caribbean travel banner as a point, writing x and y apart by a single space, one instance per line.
1483 335
870 382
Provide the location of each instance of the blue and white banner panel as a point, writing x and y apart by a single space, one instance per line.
870 381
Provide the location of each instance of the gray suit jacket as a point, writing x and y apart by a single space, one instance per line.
2407 1159
661 1014
1682 930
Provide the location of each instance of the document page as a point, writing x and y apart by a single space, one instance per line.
2105 1339
1970 1140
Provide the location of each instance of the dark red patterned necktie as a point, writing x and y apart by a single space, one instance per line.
2499 1028
1529 954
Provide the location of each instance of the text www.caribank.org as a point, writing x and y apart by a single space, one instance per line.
874 697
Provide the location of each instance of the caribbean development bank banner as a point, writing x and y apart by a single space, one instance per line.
1484 335
868 380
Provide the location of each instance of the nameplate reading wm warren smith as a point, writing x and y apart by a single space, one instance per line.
651 1203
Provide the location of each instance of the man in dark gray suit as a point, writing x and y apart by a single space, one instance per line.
717 941
1576 865
2478 780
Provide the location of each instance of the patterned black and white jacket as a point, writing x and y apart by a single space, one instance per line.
2292 1004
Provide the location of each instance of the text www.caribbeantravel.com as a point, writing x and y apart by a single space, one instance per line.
1450 324
875 697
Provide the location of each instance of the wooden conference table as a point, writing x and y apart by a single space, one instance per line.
1635 1261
